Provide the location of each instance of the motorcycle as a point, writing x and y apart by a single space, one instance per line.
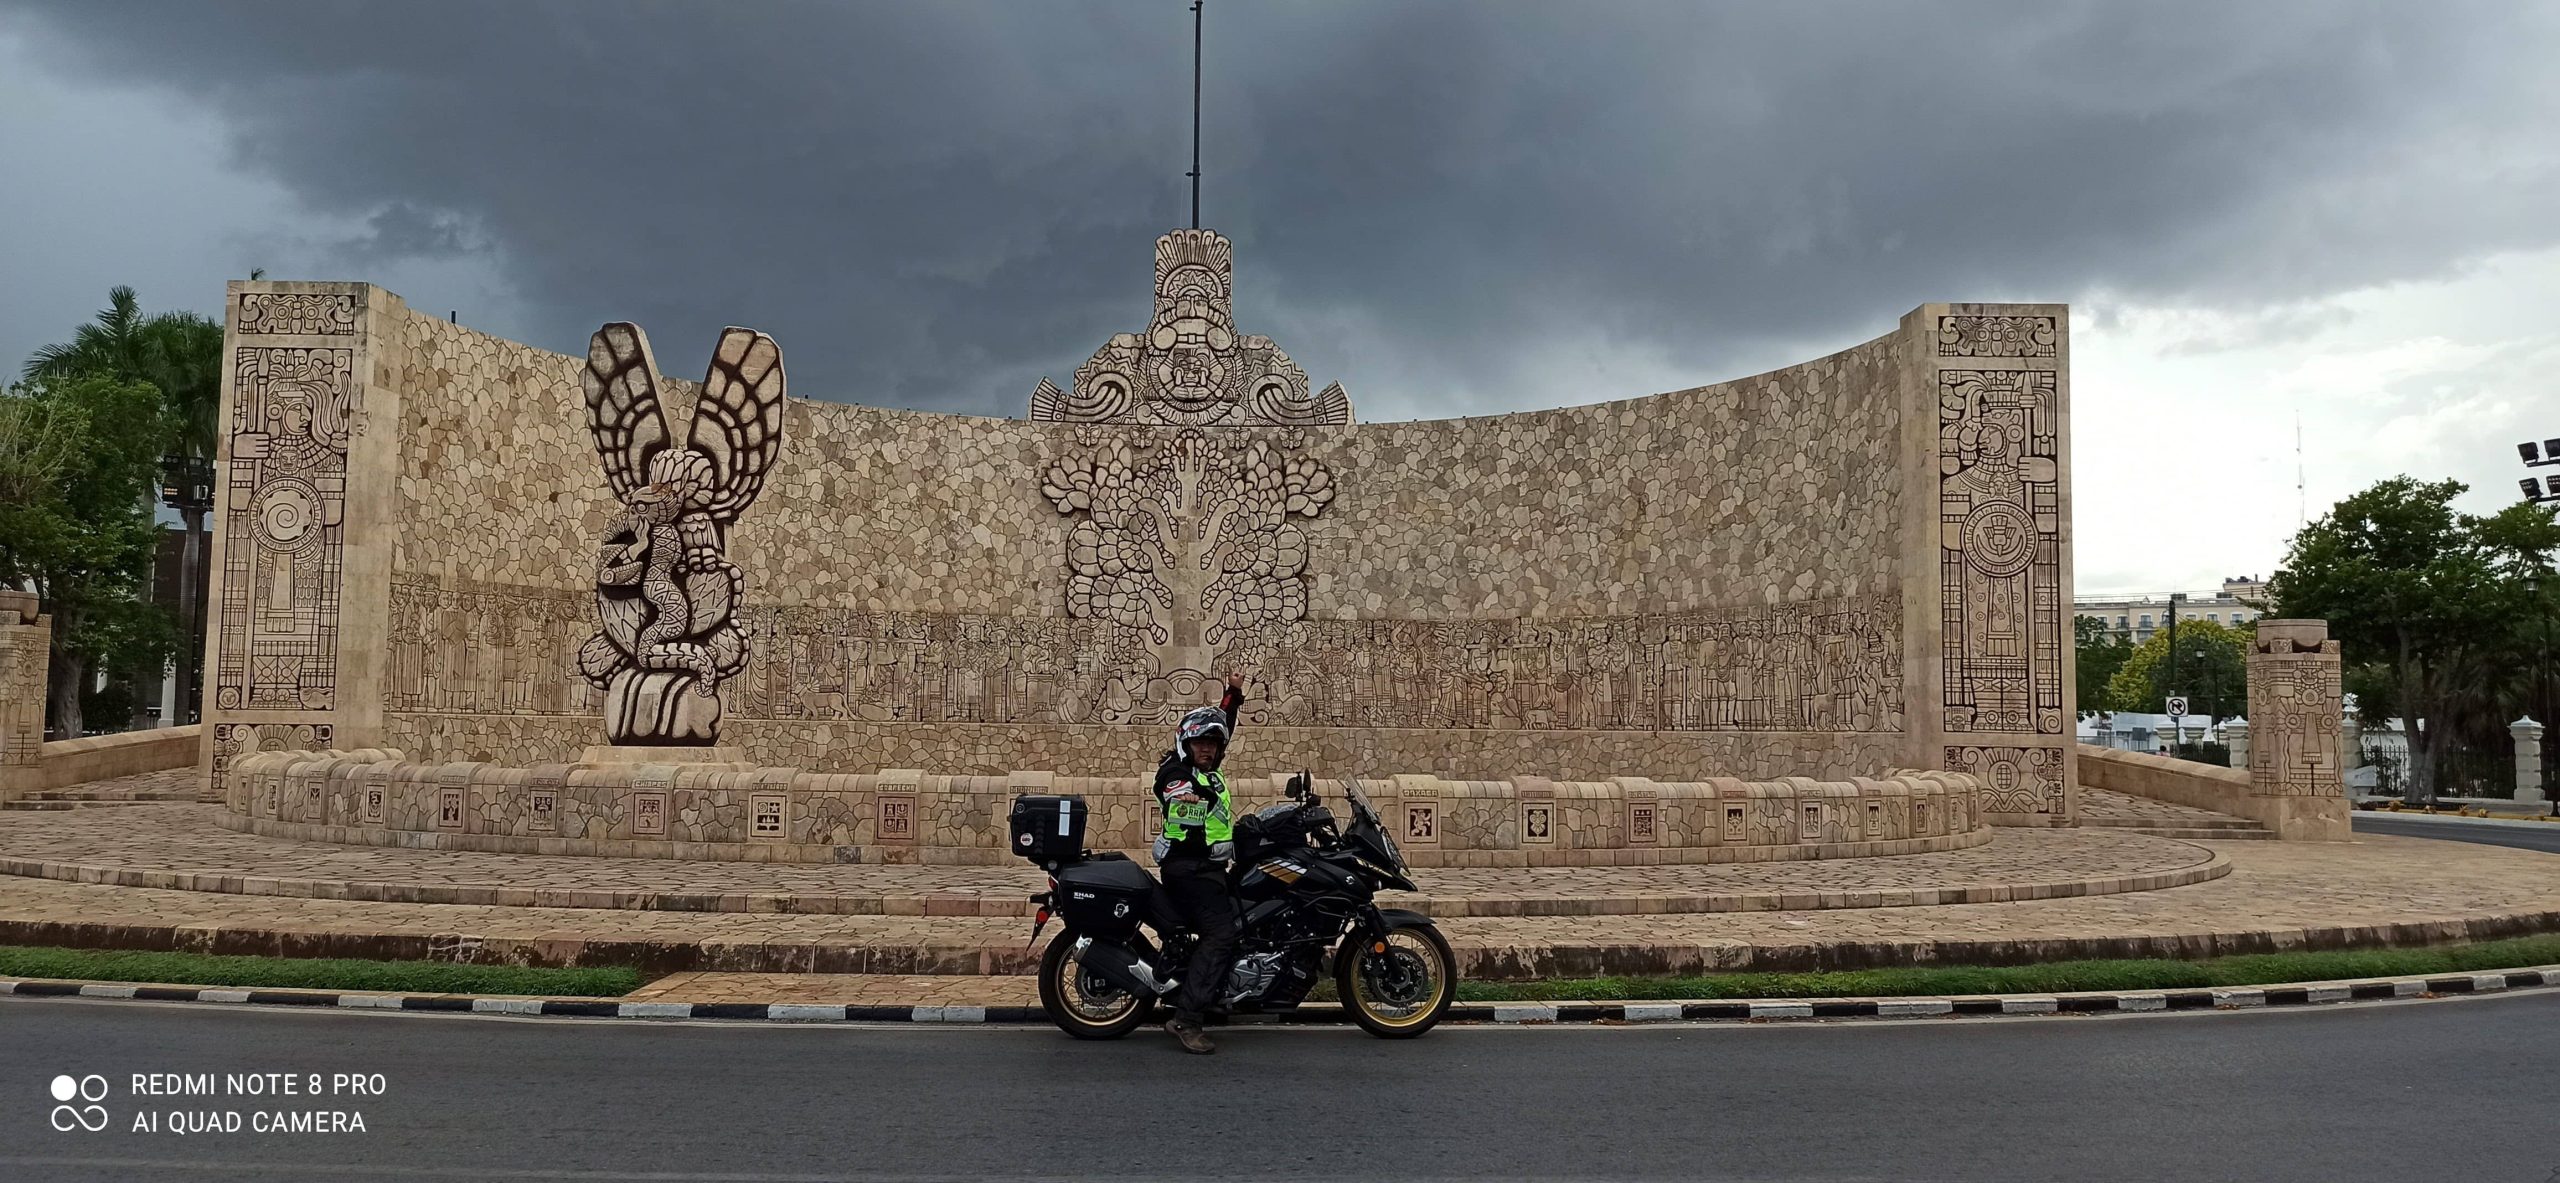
1305 888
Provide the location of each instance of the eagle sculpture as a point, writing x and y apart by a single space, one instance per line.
666 593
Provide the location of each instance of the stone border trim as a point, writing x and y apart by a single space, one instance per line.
1512 1013
2210 865
1476 962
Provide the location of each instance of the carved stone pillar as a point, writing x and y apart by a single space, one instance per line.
304 522
2528 737
26 646
1987 553
2296 778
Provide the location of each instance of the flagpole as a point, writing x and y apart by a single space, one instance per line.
1195 114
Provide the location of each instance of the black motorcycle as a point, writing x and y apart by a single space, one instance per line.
1306 890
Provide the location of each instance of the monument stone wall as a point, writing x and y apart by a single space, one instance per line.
1846 566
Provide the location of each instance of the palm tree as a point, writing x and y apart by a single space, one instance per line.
180 354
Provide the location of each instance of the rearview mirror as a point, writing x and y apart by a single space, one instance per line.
1298 786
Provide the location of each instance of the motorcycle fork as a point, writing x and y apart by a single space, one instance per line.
1365 933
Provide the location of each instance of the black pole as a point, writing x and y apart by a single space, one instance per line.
2177 727
1195 114
2543 664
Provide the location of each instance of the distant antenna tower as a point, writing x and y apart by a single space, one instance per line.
2302 503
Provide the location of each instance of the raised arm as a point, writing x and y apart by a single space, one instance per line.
1233 698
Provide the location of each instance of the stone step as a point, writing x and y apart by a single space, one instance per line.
2147 824
113 796
2220 834
57 806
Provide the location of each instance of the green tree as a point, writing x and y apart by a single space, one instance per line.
2436 596
180 355
2098 653
78 461
2212 671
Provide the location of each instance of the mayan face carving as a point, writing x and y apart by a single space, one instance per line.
666 593
2295 710
1191 368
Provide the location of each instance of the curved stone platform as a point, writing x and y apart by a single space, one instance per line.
2278 896
180 848
728 812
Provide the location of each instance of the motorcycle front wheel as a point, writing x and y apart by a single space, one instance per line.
1403 991
1080 1001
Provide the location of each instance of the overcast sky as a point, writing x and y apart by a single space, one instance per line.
2341 214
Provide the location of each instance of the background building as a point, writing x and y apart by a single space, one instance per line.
2136 617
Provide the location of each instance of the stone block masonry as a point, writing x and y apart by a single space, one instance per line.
1830 570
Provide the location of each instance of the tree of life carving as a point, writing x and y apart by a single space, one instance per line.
666 593
1195 543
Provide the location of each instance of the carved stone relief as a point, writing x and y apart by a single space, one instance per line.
2000 547
292 416
1820 666
1997 336
234 740
1190 368
666 593
2018 780
1190 541
292 314
2295 707
26 651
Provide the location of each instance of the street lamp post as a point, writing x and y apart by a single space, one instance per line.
2544 492
2535 585
186 485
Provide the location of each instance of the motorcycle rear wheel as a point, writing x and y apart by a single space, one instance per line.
1403 992
1080 1002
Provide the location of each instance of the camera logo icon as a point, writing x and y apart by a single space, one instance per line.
92 1116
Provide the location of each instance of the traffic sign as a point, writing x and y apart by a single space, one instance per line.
2177 706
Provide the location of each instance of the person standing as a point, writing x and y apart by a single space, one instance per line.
1192 850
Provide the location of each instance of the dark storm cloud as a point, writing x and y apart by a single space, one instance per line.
933 205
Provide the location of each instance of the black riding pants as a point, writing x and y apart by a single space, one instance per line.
1199 890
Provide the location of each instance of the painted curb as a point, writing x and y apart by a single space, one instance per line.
1509 1013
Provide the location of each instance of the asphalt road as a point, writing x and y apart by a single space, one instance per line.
2369 1092
2545 838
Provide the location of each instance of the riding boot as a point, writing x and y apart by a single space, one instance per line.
1186 1029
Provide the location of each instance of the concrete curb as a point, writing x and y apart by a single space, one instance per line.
2508 823
1513 1013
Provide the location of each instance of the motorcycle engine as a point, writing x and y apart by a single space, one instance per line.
1279 980
1253 973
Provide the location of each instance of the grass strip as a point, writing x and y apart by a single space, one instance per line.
2256 969
296 973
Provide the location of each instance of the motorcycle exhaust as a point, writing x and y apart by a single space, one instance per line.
1119 965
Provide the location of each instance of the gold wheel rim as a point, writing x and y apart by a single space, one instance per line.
1071 991
1429 1005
